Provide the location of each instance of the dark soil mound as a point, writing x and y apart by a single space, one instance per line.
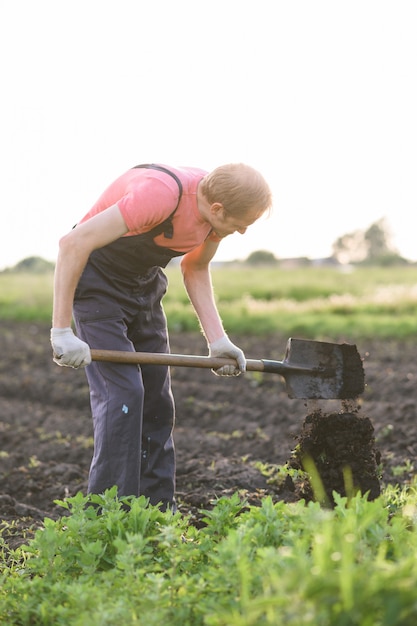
338 453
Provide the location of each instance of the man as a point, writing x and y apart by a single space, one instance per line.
109 277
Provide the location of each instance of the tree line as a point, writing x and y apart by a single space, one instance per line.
372 246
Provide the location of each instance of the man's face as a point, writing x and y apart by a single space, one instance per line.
224 224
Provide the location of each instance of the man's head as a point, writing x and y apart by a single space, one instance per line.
239 188
236 195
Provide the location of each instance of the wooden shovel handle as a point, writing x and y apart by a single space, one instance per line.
189 360
183 360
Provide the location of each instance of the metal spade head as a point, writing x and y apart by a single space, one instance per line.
317 369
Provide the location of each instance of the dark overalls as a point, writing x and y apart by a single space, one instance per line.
117 306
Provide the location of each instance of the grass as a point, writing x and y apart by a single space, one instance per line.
26 296
314 302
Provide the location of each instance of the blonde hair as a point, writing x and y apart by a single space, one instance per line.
239 188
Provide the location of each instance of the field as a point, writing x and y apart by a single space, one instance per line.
232 435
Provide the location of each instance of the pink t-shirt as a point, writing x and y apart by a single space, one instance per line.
146 197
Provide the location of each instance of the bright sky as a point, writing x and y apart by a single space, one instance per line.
319 95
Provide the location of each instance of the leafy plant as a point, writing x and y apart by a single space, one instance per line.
111 560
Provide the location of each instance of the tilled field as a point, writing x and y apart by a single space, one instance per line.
228 432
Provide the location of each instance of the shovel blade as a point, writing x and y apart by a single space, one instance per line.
321 370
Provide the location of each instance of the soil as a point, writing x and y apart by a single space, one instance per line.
232 434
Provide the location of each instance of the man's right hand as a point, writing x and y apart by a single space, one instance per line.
68 350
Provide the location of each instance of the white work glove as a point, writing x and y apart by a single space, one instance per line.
68 349
223 347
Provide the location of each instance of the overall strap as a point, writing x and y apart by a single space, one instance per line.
168 229
153 166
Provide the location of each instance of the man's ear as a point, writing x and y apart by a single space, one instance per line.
217 209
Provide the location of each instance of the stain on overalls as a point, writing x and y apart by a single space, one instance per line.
118 306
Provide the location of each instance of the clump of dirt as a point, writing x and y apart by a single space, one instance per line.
338 454
353 372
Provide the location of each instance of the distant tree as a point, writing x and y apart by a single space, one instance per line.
378 240
34 264
350 248
261 257
372 246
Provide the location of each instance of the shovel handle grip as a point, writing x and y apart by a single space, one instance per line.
183 360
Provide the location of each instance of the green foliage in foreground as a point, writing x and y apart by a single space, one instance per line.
311 302
275 564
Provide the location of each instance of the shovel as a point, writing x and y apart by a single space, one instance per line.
312 369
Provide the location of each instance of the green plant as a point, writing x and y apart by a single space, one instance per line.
111 560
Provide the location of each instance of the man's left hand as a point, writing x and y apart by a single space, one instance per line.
224 348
